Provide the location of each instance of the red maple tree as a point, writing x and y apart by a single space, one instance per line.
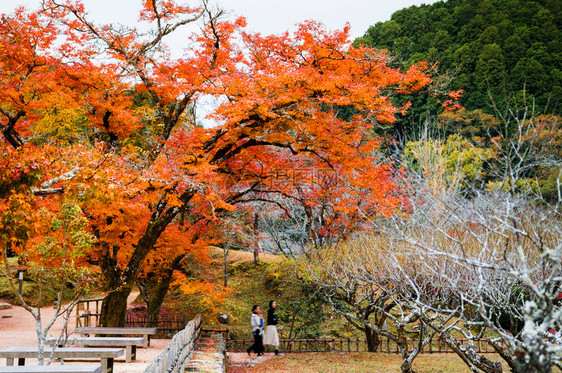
109 113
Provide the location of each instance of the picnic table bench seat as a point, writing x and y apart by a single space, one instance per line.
89 368
105 355
100 330
130 343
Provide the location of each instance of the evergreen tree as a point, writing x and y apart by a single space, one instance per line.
506 53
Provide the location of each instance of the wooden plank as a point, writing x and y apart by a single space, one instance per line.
145 332
99 341
106 355
115 330
129 343
91 368
61 353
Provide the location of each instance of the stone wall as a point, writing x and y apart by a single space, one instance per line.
179 351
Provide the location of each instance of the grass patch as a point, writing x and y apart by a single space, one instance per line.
299 306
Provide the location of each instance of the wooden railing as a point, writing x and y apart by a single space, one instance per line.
206 332
356 345
88 312
87 315
167 326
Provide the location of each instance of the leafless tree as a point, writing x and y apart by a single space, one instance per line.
471 264
506 255
366 284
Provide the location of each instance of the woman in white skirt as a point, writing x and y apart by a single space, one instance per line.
271 336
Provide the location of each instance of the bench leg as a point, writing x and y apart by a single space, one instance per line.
128 353
146 341
107 365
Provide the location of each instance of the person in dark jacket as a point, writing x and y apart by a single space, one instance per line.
271 336
257 331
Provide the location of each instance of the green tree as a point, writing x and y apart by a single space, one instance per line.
509 48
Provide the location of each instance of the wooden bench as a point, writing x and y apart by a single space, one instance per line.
145 332
105 355
129 343
92 368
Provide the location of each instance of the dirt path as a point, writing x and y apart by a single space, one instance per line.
238 361
17 328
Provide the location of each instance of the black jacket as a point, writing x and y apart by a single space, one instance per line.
271 317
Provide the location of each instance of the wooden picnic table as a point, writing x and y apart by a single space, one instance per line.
90 368
106 355
130 343
145 332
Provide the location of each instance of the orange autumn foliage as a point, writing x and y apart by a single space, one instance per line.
107 112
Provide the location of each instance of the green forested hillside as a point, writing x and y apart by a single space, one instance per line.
511 49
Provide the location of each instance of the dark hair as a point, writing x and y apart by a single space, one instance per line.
254 307
271 303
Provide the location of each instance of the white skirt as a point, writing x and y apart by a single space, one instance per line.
271 337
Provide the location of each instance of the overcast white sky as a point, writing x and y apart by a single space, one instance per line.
264 16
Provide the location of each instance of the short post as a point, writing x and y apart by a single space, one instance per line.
20 280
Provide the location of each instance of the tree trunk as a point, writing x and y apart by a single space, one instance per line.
256 234
120 283
406 366
402 343
373 340
157 294
114 307
225 251
157 290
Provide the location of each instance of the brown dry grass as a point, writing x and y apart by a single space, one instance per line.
333 362
236 256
